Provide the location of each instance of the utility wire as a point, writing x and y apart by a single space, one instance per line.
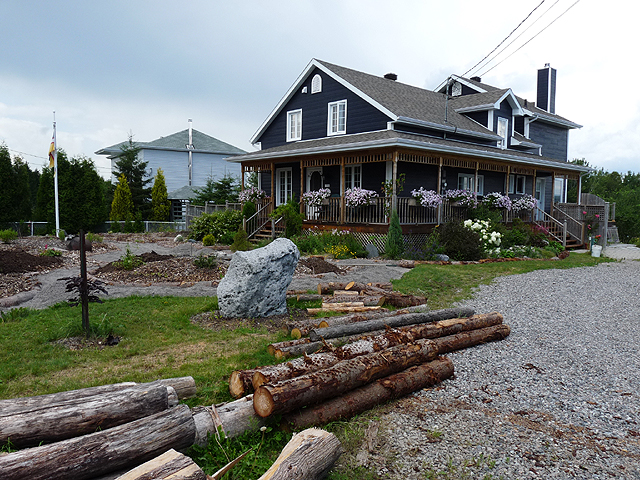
505 39
525 31
557 18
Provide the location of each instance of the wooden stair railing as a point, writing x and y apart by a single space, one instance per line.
256 222
553 227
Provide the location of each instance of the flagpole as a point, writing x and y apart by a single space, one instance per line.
55 175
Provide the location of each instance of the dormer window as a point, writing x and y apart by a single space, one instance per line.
316 84
503 131
456 89
294 125
337 121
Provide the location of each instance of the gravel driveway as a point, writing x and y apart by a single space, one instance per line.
559 398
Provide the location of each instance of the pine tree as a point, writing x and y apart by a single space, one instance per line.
394 246
135 171
122 205
160 205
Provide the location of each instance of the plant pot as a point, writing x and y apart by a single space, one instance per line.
596 250
412 202
325 201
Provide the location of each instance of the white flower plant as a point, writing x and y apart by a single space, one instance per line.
358 197
251 194
491 240
314 198
427 198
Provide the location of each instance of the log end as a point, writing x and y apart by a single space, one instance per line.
258 380
323 324
236 385
263 403
296 333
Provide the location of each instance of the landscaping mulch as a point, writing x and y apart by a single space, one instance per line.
19 261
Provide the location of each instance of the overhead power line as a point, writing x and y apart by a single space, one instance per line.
551 23
505 39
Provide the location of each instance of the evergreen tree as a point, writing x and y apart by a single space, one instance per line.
394 245
219 192
15 193
80 195
6 180
160 205
122 205
135 171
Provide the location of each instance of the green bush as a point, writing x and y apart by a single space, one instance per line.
50 252
249 209
129 227
138 225
208 240
292 217
206 261
308 244
115 227
459 242
485 212
8 236
129 261
94 238
394 245
240 242
222 225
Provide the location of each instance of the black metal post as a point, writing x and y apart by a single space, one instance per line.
84 292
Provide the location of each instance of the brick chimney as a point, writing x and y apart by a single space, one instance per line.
546 99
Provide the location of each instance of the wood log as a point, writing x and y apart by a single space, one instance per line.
367 300
369 396
301 328
76 417
294 368
313 311
346 375
169 465
185 387
332 305
393 321
308 297
329 287
309 455
345 293
233 418
473 337
240 382
384 286
273 347
102 452
312 347
452 326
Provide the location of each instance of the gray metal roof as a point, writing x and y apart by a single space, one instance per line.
202 143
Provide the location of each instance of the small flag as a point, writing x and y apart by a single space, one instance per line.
52 151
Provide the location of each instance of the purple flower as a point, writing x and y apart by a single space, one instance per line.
427 198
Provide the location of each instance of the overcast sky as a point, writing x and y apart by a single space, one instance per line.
108 68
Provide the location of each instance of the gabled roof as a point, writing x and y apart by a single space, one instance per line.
399 101
202 143
486 101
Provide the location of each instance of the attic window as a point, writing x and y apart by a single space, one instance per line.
316 84
456 89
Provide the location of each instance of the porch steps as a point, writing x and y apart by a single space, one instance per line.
572 243
264 234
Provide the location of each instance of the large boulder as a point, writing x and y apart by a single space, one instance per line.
256 282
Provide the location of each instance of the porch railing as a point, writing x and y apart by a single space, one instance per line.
551 226
575 228
258 220
411 212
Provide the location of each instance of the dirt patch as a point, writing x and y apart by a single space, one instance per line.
81 343
19 261
320 265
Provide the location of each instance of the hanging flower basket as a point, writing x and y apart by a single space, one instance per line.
316 198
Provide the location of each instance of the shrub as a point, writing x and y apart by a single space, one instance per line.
50 252
206 261
8 236
208 240
115 227
308 244
138 225
222 225
129 261
394 245
129 227
94 238
459 242
249 209
240 242
290 211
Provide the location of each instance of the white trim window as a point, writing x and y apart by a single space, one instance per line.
517 184
503 131
316 84
284 185
352 176
337 118
465 182
294 125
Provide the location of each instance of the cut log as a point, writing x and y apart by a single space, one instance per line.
273 347
102 452
313 311
346 375
471 338
345 293
185 387
452 326
309 455
169 465
76 417
367 300
240 382
332 305
328 288
301 328
234 418
308 298
394 321
312 347
369 396
294 368
384 286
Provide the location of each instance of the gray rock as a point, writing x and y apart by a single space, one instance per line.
441 257
74 244
372 250
256 282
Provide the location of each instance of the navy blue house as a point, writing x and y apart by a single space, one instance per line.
339 128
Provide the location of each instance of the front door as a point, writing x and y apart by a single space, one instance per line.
314 183
541 184
284 185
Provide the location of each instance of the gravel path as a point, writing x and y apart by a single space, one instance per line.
559 398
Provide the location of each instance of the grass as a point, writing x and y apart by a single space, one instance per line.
443 285
159 341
